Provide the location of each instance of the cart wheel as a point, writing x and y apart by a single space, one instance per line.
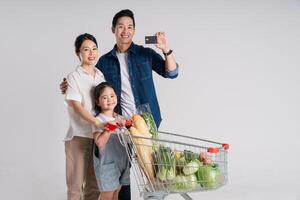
157 196
186 196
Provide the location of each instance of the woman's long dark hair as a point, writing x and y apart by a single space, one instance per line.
97 93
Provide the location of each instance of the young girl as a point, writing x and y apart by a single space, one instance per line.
111 163
80 174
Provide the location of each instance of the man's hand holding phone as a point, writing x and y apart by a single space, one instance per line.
160 40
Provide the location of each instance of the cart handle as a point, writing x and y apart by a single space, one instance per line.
213 150
174 142
217 149
224 145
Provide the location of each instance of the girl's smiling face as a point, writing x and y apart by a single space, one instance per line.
107 100
88 53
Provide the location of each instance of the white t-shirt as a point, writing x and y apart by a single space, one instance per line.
127 99
80 88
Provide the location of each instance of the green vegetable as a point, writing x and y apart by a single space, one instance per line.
162 173
151 123
209 176
183 183
166 163
180 182
192 181
147 116
171 173
189 156
191 167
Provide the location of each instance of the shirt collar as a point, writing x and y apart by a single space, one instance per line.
132 49
82 70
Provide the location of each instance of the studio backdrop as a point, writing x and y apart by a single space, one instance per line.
238 83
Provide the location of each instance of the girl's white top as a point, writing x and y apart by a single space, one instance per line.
81 88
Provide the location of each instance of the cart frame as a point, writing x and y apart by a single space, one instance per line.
158 190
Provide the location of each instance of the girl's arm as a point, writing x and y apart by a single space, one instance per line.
78 108
101 138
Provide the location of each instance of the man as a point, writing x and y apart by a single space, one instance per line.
129 68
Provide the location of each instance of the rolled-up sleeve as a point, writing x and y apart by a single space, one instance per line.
173 73
159 65
73 92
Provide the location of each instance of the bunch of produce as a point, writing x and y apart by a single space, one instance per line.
186 170
180 170
166 163
143 146
187 164
147 116
209 173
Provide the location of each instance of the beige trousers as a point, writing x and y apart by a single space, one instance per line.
81 180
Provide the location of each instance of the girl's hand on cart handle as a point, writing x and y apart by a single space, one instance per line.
121 122
128 123
110 126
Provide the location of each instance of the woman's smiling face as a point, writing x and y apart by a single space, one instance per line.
88 53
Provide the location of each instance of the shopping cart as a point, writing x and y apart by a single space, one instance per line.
170 164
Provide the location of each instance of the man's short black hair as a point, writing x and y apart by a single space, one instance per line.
123 13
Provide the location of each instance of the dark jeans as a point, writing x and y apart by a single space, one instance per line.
124 193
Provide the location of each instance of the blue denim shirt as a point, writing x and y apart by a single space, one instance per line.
141 62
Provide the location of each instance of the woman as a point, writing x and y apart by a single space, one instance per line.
79 139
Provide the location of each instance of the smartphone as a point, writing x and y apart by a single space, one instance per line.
150 39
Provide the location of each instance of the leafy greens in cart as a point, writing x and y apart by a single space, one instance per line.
189 156
151 123
166 163
149 120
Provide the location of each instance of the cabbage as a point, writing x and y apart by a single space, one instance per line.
209 176
180 182
191 167
184 183
192 181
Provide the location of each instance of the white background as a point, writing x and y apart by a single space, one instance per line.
238 83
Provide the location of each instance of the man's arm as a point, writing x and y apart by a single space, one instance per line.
63 86
162 44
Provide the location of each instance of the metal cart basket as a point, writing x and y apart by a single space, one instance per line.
174 163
